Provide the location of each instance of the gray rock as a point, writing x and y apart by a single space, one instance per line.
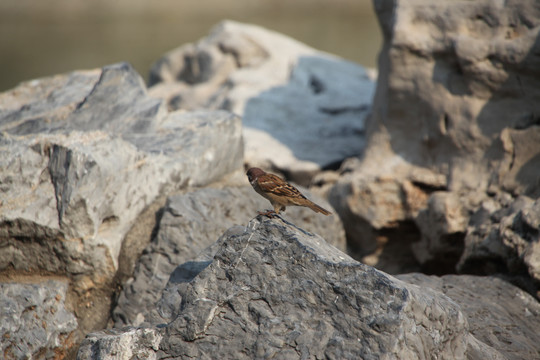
278 86
35 322
192 222
112 99
275 290
82 155
505 239
503 320
92 186
112 344
40 104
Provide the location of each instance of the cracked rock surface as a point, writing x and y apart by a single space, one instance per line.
190 223
275 290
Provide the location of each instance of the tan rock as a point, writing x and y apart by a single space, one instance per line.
456 109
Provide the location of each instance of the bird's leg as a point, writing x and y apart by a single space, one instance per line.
273 213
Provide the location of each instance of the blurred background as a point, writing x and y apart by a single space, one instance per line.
41 38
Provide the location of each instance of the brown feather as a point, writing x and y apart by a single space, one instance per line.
318 208
279 192
275 185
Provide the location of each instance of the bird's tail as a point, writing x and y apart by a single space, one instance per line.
317 208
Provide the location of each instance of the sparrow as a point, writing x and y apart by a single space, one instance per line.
279 192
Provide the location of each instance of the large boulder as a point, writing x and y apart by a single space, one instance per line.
275 290
82 155
303 110
191 222
454 111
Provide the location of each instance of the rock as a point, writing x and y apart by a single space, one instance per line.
275 290
35 321
503 320
82 155
443 224
505 240
455 88
519 168
190 223
129 344
38 104
112 99
454 111
377 210
278 86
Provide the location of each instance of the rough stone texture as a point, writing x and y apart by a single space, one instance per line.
34 104
92 186
35 322
278 86
456 109
459 93
502 318
443 224
112 99
190 223
370 204
81 156
505 240
276 291
130 343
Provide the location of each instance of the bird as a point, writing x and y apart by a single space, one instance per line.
279 192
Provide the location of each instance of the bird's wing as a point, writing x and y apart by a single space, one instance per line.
275 185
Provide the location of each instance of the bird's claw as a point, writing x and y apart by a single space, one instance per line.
268 213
